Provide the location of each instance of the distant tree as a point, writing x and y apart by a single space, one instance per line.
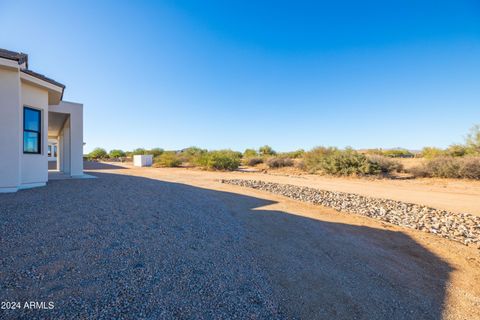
292 154
116 153
266 151
220 160
473 139
377 152
432 152
457 150
138 151
250 153
156 152
398 153
192 155
193 151
98 153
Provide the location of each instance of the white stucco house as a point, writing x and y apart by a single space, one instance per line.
36 126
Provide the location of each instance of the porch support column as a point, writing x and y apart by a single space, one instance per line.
66 148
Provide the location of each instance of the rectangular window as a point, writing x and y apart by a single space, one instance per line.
32 136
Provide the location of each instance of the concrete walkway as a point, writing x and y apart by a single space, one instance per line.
57 175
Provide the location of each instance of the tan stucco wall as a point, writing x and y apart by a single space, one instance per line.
34 167
9 128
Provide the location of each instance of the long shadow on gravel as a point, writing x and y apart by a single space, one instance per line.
124 247
93 165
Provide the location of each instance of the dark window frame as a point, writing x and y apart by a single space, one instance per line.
39 132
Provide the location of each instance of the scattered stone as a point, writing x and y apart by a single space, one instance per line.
460 227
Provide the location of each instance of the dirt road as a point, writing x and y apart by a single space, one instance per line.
448 194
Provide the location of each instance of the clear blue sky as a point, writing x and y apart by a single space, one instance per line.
238 74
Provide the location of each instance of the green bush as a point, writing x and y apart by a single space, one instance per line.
98 153
398 153
192 155
168 159
279 162
220 160
449 167
333 161
116 153
155 152
314 160
139 151
250 153
457 150
432 152
378 152
473 140
470 148
266 151
293 154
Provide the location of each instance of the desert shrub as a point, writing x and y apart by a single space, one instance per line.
449 167
378 152
267 151
300 164
220 160
349 162
155 152
253 161
293 154
98 153
279 162
431 152
193 151
470 148
443 167
386 165
116 153
192 155
470 168
473 140
167 159
139 151
397 153
419 171
339 162
456 150
250 153
237 154
314 159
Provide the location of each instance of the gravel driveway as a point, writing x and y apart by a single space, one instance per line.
130 247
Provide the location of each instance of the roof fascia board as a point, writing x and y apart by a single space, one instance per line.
42 83
9 64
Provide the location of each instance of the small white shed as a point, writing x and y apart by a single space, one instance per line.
144 160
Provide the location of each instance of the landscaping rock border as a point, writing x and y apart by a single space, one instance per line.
461 227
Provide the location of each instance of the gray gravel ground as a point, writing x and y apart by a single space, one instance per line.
124 247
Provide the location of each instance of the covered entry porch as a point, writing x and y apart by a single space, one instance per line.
65 136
